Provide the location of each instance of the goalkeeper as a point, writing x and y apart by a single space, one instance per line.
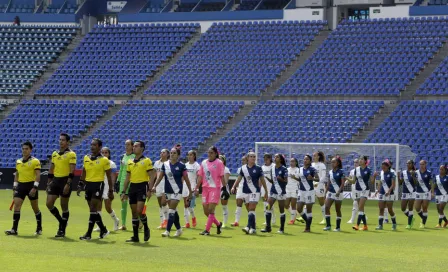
129 155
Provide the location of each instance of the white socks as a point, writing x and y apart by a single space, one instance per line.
386 214
114 217
354 210
161 214
165 210
186 215
238 214
322 208
225 214
191 211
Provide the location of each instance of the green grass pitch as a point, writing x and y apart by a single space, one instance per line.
402 250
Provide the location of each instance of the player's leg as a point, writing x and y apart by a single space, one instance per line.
410 213
140 198
124 208
173 216
293 207
281 208
225 211
328 204
268 215
442 211
362 203
320 194
390 209
404 206
309 214
192 205
99 208
186 212
239 209
425 206
252 216
18 201
381 206
354 208
300 208
34 200
135 216
111 212
64 201
51 199
338 205
165 208
94 205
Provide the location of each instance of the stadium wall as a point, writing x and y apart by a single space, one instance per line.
38 18
389 12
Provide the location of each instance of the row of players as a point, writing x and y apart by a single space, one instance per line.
294 188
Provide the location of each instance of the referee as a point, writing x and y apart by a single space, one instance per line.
60 178
139 174
94 168
26 182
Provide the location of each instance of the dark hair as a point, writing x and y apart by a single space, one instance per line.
387 162
142 144
365 158
194 154
296 161
321 156
282 159
29 144
309 157
178 148
222 157
108 150
413 164
132 142
67 138
339 161
214 149
98 141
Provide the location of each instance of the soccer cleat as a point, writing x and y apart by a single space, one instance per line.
437 226
252 231
11 232
236 224
337 230
307 230
133 240
60 234
379 227
291 222
218 228
300 219
223 226
246 230
122 228
355 227
445 224
205 233
97 229
422 226
117 225
264 224
146 235
166 234
323 222
104 233
349 222
412 222
165 222
394 226
365 228
38 231
281 232
161 227
266 230
327 228
187 226
85 238
194 222
408 227
178 233
386 221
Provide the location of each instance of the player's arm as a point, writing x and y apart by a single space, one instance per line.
151 174
125 186
187 182
263 183
351 179
237 182
159 179
36 182
226 179
51 174
283 178
433 186
327 187
82 181
198 185
392 187
341 188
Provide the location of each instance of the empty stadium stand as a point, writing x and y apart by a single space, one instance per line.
41 121
248 5
114 60
162 124
297 121
437 83
25 52
369 57
422 126
240 59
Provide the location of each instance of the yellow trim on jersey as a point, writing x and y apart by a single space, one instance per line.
139 170
95 169
62 163
26 170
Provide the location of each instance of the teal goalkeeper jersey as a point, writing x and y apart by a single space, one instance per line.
123 163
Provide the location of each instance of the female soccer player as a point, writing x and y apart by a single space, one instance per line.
363 178
279 175
386 194
423 195
441 191
26 182
225 201
267 172
351 179
292 189
139 174
308 175
253 176
128 155
105 151
174 173
408 193
160 190
319 165
192 168
240 197
335 193
211 177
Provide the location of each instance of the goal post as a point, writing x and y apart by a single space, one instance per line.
377 153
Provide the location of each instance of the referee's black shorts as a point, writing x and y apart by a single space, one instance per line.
94 190
137 192
23 190
56 187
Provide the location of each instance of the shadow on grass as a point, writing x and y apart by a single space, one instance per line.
219 236
65 239
184 238
101 242
145 244
27 236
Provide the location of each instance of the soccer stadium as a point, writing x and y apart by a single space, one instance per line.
223 135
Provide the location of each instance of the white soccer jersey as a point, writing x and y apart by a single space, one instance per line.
113 168
160 189
292 183
240 186
321 171
267 172
192 169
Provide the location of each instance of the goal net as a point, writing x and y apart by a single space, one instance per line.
377 153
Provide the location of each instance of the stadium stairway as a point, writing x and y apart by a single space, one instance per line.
140 90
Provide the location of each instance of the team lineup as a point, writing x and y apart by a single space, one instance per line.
294 188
